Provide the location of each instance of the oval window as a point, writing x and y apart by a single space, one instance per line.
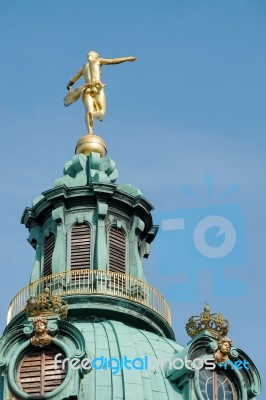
216 385
38 373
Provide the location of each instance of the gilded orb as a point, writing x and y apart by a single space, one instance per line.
91 143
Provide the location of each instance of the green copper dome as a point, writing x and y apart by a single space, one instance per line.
88 326
114 339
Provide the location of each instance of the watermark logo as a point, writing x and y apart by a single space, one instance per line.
208 237
146 363
239 364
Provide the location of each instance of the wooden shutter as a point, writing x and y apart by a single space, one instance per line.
80 246
37 373
117 250
49 244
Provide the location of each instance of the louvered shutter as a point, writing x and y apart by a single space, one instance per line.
49 244
80 246
117 250
37 374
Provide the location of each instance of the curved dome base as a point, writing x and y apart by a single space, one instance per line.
128 311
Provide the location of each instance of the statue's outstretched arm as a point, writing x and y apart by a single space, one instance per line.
75 78
106 61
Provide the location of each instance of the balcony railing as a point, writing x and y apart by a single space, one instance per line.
86 282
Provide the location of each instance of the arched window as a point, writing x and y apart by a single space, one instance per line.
37 374
216 384
117 250
49 243
80 246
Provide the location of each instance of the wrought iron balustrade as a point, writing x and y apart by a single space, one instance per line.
86 281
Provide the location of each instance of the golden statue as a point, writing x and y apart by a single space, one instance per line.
92 91
224 347
41 337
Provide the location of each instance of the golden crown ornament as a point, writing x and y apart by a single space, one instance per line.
214 323
47 305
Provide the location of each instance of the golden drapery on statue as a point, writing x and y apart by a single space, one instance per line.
92 91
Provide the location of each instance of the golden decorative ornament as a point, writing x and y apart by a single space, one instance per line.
41 337
224 347
46 305
91 144
214 323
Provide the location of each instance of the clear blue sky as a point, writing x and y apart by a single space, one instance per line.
192 104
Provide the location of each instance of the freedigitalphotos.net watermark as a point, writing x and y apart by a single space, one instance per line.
146 363
207 240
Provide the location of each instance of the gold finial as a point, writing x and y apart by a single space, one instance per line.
214 323
46 305
41 336
91 144
92 92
